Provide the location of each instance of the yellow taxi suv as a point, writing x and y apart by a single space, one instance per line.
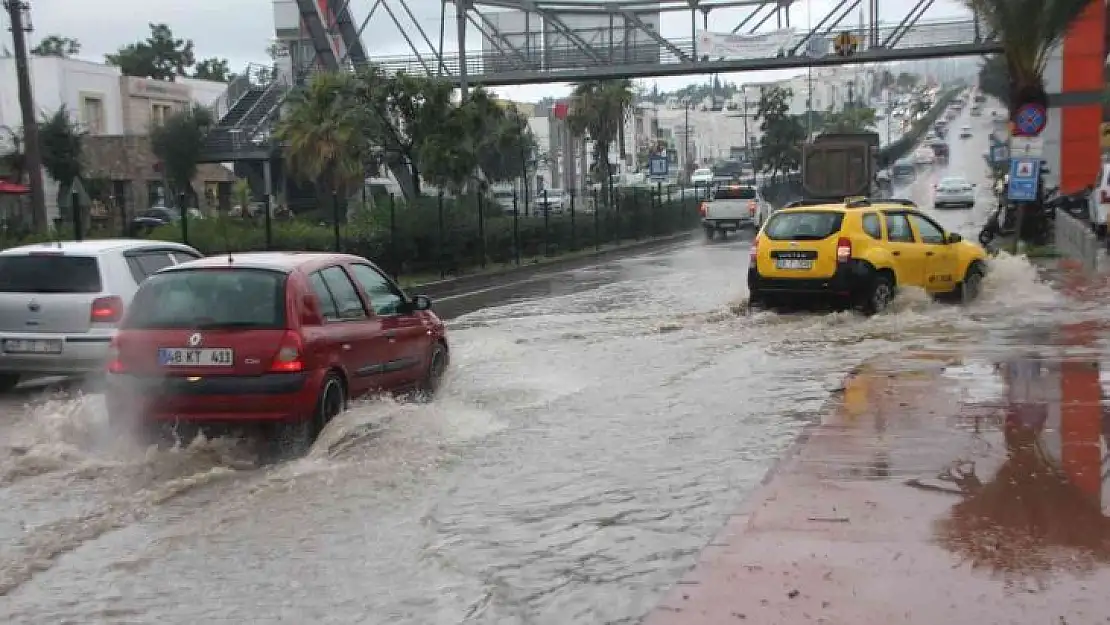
857 255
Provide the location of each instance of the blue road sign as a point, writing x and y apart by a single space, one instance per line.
1025 176
658 165
1030 120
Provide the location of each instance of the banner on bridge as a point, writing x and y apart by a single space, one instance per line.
742 46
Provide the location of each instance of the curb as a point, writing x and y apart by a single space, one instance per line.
463 284
760 494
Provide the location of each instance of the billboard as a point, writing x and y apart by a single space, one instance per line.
519 30
610 36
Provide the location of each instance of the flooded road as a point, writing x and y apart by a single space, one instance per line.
591 437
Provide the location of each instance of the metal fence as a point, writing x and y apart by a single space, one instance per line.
1074 239
432 236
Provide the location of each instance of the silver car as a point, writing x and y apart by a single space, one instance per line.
956 192
60 302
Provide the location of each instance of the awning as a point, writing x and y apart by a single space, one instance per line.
13 188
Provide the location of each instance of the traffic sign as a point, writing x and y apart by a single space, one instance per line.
846 44
1030 120
658 165
1000 152
1027 146
1025 176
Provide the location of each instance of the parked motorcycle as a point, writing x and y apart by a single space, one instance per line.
1003 220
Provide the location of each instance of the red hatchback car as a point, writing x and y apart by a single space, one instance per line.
281 339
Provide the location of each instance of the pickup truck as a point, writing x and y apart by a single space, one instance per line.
732 208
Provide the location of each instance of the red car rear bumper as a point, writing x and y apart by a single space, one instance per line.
239 399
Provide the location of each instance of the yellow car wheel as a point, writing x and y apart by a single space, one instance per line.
972 284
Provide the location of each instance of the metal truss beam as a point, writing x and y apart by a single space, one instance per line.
318 33
558 24
656 70
634 19
405 35
496 39
493 30
588 7
908 22
750 16
352 40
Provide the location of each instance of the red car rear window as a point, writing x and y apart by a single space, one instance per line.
210 299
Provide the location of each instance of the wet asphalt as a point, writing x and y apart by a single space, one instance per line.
598 427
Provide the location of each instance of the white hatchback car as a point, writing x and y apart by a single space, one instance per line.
60 302
957 192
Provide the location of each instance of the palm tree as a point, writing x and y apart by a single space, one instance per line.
598 110
322 129
1028 30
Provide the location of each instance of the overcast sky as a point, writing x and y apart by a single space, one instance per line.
240 30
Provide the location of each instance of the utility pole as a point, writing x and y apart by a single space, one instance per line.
686 141
31 157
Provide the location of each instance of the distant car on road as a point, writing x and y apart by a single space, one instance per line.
903 170
732 208
60 302
158 216
924 156
954 191
277 339
965 132
702 177
553 201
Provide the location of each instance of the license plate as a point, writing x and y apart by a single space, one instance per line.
32 346
793 263
201 357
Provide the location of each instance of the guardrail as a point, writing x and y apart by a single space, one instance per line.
1074 239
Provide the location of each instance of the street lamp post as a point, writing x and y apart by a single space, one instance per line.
17 11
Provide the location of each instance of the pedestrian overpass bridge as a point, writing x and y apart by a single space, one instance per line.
517 42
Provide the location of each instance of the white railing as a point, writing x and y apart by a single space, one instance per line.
1074 239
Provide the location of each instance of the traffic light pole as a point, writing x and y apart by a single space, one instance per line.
32 158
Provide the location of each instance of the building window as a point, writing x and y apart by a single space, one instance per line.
159 113
92 114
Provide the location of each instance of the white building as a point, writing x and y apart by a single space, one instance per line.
98 98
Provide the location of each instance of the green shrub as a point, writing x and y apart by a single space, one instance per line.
406 238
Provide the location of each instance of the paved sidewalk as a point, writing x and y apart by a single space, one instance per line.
941 489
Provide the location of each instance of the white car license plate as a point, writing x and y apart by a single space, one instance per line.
793 263
33 346
199 357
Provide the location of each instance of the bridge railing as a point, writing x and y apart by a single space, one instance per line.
569 58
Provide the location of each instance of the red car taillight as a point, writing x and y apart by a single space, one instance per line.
703 208
843 250
115 365
751 208
106 310
289 358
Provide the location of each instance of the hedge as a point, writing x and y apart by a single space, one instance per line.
421 238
